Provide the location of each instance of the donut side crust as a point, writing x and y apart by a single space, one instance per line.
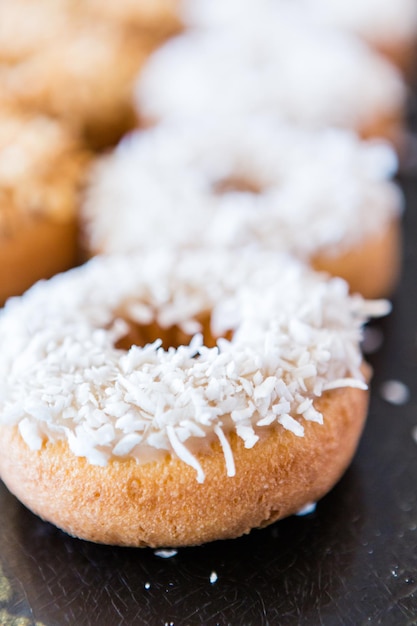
160 503
371 268
39 249
401 53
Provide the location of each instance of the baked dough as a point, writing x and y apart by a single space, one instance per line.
169 441
42 172
160 504
84 79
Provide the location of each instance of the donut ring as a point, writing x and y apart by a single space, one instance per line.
312 76
325 196
181 445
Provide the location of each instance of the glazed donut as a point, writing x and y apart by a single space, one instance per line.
308 75
325 196
178 398
42 169
390 27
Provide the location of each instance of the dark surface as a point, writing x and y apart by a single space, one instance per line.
351 562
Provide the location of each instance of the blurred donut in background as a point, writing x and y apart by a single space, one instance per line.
325 196
56 58
276 63
42 169
390 27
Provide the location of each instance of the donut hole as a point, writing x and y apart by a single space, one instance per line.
237 184
172 337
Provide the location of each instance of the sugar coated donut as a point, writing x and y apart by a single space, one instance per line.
178 398
325 196
42 169
390 27
310 75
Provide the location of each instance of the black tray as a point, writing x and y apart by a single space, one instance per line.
351 562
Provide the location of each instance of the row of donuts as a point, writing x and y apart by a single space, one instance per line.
65 93
196 378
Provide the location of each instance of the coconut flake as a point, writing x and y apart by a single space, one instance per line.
184 454
227 451
30 434
289 423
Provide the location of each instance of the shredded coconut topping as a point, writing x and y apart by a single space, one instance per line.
376 20
311 75
294 334
314 190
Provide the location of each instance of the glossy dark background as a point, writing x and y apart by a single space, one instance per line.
351 562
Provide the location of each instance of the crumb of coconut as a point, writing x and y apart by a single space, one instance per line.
165 554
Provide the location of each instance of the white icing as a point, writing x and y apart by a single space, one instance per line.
375 20
318 190
310 75
379 21
61 376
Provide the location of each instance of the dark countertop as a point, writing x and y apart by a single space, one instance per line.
351 562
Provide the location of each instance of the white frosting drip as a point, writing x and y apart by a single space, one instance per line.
62 378
318 190
310 75
375 20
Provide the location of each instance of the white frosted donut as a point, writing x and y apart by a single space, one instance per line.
310 75
119 445
389 26
252 181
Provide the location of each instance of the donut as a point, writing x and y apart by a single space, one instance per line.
83 77
175 398
311 76
389 27
325 196
157 19
42 170
26 26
